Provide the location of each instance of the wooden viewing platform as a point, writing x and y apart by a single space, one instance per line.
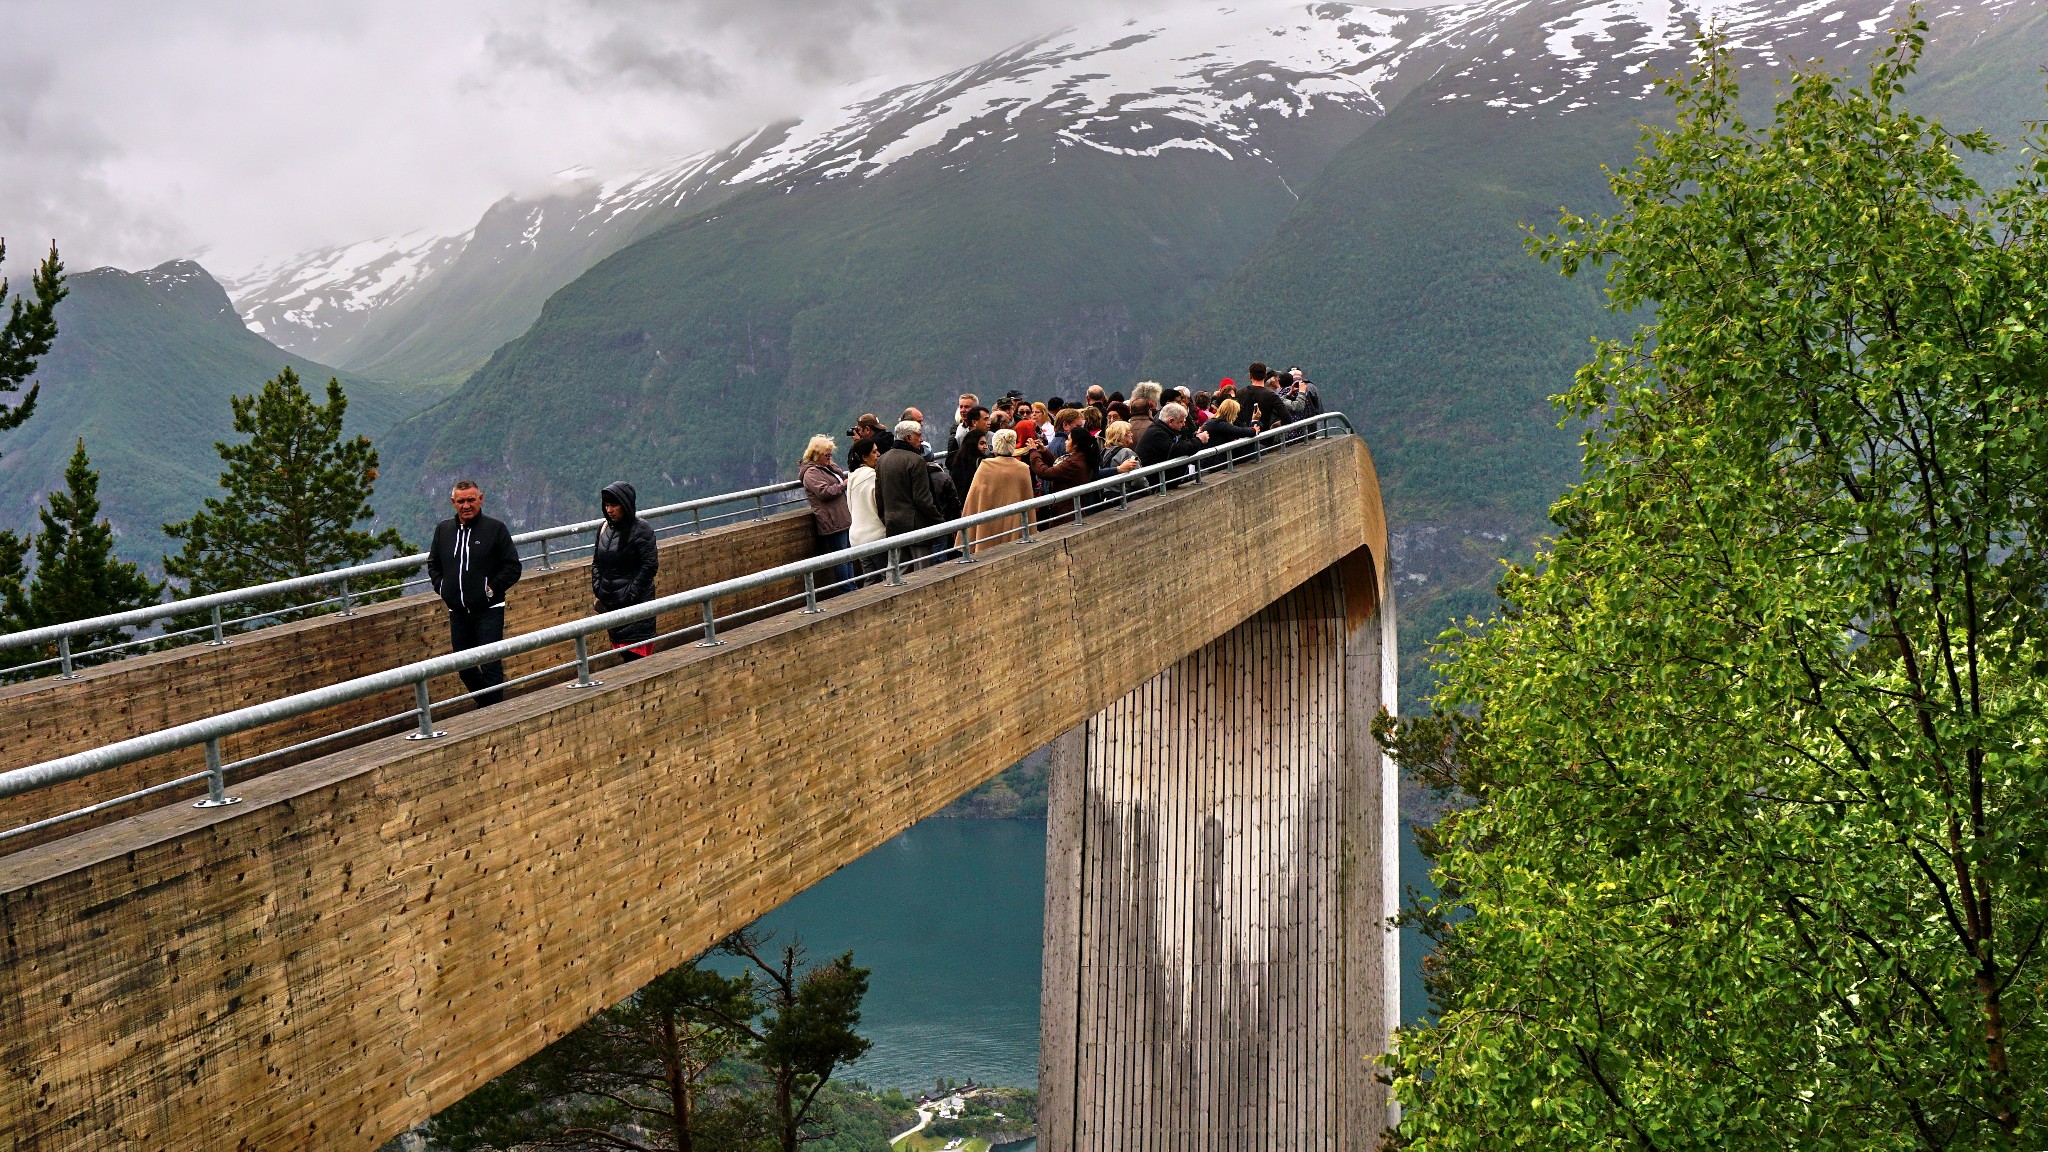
374 933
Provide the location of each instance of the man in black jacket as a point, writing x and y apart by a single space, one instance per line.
903 486
1260 400
472 564
1169 437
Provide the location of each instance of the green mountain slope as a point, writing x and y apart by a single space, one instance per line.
1401 281
700 356
1987 76
142 368
703 356
477 303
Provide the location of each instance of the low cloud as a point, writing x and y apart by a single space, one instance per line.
135 131
55 181
619 58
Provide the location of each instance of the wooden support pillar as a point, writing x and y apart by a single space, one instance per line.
1221 860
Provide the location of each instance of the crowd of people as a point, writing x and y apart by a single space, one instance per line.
890 483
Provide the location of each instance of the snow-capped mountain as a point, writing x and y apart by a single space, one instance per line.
315 302
1234 82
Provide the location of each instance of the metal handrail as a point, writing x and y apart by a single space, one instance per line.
416 675
61 633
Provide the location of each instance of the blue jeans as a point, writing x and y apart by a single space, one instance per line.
840 574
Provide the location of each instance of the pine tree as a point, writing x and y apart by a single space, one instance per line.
26 338
293 495
76 575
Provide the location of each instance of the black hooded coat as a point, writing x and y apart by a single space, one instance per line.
623 565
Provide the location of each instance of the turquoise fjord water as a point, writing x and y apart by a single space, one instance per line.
948 916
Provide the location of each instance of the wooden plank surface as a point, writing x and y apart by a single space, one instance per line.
1228 912
47 718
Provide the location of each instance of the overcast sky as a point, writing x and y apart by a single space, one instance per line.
134 131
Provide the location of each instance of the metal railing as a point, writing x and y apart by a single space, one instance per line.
357 583
902 553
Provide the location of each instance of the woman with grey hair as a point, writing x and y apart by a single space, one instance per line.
1001 479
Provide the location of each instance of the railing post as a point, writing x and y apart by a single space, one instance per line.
425 704
1024 533
219 638
710 639
583 679
696 521
1077 510
547 557
811 595
216 782
64 659
1123 496
760 508
348 604
895 568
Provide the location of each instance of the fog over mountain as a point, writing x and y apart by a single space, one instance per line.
240 133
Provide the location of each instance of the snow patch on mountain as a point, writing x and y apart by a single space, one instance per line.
314 291
1199 79
1613 49
1208 78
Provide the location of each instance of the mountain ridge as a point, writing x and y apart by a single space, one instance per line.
1199 79
703 353
141 370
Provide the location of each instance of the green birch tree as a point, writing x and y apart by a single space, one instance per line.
1756 756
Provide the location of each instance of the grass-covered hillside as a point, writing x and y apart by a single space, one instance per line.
142 369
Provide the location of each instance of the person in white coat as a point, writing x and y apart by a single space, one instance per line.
860 500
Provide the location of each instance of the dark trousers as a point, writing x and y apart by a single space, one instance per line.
839 574
873 569
909 557
471 630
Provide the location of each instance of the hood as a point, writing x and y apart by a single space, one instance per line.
622 493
